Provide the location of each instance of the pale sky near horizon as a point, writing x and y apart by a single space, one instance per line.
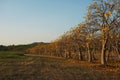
28 21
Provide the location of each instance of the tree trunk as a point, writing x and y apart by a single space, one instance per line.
103 55
118 52
50 53
89 54
69 55
80 55
93 54
65 54
107 55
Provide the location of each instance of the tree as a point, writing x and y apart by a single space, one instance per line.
105 14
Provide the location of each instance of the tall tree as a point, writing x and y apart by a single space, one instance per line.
105 13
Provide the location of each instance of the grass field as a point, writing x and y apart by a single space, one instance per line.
17 66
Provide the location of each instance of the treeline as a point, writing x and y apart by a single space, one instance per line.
20 48
98 37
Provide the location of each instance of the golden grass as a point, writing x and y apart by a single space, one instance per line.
34 67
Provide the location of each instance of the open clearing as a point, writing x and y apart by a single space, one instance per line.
16 66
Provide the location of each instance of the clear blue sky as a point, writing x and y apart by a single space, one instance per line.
27 21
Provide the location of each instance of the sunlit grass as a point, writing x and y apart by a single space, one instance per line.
36 67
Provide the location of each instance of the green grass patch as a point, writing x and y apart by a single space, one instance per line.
10 54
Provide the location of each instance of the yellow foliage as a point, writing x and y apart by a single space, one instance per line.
87 44
107 14
118 36
95 2
102 33
88 13
105 28
111 36
90 38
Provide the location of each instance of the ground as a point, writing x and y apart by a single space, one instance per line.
17 66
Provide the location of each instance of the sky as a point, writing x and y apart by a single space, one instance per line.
28 21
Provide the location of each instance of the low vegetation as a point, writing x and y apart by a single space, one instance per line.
35 67
9 54
20 48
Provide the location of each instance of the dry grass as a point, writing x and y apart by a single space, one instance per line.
52 68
